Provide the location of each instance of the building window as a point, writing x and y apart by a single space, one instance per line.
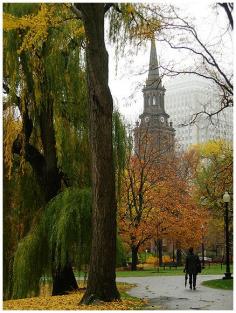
150 100
154 101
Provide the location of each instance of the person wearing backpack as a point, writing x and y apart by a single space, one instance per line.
192 267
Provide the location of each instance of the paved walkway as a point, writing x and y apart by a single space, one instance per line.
169 293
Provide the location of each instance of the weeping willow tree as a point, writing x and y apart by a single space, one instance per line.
42 125
44 82
44 79
48 69
63 234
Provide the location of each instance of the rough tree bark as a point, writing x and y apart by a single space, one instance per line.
101 277
52 179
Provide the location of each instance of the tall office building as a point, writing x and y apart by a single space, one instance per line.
187 96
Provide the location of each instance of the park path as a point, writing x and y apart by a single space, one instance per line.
169 293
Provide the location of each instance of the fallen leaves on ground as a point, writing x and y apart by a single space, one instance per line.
71 302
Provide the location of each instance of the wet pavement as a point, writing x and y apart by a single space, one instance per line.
169 293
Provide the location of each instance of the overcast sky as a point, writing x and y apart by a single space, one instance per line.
126 84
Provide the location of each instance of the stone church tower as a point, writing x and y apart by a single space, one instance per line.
154 118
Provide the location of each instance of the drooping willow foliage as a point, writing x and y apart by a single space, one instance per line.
69 219
21 203
64 231
49 67
119 148
134 23
30 258
44 61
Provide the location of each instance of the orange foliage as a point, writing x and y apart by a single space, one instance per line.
157 201
175 215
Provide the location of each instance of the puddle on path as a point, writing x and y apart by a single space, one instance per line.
159 303
171 303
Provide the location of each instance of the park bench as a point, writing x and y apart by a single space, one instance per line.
169 265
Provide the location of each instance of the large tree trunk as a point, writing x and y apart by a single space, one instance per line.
63 277
101 277
52 179
63 280
134 263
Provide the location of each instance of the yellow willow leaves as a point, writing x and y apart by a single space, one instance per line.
12 127
146 30
78 32
38 77
69 302
127 10
130 8
37 26
11 22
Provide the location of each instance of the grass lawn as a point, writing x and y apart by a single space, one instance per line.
71 302
151 272
226 284
214 269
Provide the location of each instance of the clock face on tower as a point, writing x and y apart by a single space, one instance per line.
162 119
147 119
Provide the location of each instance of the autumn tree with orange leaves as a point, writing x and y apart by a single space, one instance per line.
175 216
156 198
137 194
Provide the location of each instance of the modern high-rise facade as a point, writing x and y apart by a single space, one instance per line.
185 97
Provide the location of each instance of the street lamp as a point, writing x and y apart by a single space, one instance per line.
203 260
226 199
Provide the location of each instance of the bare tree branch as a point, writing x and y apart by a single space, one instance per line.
228 7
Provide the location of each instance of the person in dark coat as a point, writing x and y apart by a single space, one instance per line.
192 267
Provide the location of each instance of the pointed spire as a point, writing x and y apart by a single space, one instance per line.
153 73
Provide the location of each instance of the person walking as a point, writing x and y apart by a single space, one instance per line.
192 267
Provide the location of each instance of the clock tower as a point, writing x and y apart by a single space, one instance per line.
154 117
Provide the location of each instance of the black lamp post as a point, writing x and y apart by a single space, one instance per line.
203 260
226 199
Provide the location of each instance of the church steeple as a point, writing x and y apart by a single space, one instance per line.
154 115
153 90
153 73
154 95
